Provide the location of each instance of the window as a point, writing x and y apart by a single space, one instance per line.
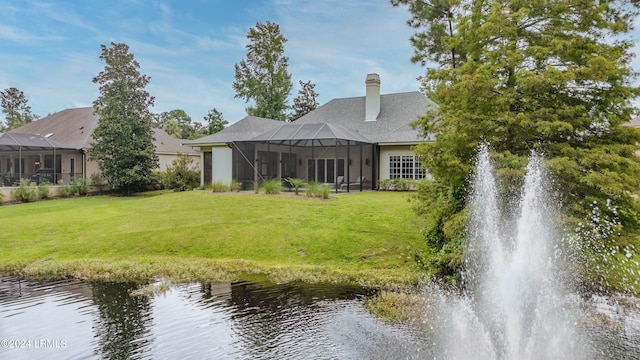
406 167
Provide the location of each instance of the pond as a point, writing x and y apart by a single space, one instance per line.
71 319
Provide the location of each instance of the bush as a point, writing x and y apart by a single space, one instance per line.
26 191
400 184
44 191
219 186
181 175
98 182
272 186
385 184
79 186
1 198
317 190
65 190
312 189
235 186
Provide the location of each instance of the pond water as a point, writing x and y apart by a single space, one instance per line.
71 319
246 320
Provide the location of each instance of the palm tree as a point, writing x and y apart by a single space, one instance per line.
296 183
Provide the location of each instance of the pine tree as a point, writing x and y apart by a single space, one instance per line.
262 77
305 102
123 141
553 76
215 122
15 109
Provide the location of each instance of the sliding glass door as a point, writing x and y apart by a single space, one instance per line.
324 170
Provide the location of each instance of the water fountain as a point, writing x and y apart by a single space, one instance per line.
514 305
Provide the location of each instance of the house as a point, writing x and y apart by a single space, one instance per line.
345 140
55 147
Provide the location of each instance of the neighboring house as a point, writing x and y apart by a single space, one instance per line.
55 147
338 143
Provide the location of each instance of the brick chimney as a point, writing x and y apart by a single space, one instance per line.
372 102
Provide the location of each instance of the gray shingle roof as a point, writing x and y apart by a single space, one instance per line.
242 130
17 142
303 134
392 125
72 128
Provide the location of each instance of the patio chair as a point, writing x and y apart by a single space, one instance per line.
357 183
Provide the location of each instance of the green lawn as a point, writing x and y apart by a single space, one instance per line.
196 235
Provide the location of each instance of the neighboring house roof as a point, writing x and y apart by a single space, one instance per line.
17 142
321 134
242 130
167 144
72 128
397 112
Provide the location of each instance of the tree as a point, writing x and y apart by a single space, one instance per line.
15 109
553 76
215 122
263 76
177 124
123 141
305 102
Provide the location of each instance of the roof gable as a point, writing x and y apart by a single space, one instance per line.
242 130
393 124
306 134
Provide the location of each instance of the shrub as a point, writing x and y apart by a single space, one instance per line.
98 182
272 186
26 191
324 191
181 175
312 189
65 190
79 186
385 184
1 198
318 190
235 186
44 191
219 186
401 184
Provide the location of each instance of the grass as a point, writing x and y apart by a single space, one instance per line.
363 238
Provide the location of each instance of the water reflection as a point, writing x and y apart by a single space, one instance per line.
245 320
124 320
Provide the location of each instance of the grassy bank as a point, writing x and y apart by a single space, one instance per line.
363 238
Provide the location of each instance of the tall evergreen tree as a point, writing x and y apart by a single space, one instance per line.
305 102
15 109
215 122
550 75
262 77
123 141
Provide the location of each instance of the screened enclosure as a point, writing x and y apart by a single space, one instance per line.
37 158
323 153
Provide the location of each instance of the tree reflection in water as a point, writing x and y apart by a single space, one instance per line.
123 326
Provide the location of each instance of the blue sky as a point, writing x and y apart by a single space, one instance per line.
50 49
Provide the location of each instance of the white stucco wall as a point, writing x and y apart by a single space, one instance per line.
221 164
386 152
